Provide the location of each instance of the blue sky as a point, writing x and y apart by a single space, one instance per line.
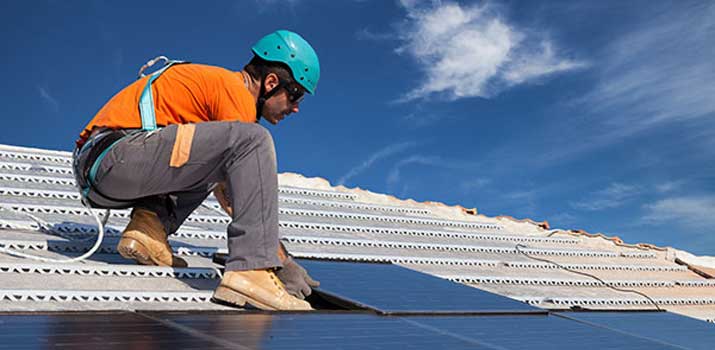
596 115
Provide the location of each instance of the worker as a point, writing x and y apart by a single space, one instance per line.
165 142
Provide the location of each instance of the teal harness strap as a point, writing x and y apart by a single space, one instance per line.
93 170
146 101
148 117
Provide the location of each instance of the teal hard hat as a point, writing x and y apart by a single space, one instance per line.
290 48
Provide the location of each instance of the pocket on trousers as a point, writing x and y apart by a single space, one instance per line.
182 145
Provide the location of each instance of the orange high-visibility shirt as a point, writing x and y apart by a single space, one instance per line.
185 93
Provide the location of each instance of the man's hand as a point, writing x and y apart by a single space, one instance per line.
295 278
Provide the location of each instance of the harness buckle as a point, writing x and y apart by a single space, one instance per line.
150 63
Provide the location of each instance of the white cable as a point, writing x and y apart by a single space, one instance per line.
97 244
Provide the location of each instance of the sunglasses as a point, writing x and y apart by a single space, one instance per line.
296 93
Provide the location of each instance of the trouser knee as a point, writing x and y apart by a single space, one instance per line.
257 136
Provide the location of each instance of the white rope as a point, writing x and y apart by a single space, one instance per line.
45 226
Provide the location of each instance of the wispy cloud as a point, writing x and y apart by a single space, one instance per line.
422 118
456 168
657 75
669 186
613 196
562 220
367 34
662 72
692 212
394 175
653 80
474 184
278 2
271 5
471 51
385 152
47 98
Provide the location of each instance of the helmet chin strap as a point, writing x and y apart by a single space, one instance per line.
263 96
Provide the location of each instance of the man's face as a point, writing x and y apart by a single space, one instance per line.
283 103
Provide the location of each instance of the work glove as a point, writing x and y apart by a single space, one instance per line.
296 279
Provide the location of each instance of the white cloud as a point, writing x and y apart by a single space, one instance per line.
613 196
470 51
380 154
693 212
45 95
669 186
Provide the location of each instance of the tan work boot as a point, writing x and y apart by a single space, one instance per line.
260 288
144 240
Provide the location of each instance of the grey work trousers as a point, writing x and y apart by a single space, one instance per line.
137 169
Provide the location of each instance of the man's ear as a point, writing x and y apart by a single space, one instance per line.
271 81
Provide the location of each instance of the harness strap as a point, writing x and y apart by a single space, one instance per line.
98 161
146 110
146 101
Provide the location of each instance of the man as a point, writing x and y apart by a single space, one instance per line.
207 134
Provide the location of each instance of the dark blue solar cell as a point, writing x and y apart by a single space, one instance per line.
393 289
533 332
664 327
246 330
91 331
242 330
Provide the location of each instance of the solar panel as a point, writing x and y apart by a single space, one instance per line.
391 289
664 327
316 330
91 331
534 332
234 330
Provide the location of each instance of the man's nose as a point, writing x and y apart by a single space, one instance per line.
294 109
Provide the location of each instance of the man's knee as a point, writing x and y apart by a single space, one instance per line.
255 134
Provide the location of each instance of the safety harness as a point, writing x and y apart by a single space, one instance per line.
148 119
85 181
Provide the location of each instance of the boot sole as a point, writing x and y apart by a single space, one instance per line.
230 296
130 248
